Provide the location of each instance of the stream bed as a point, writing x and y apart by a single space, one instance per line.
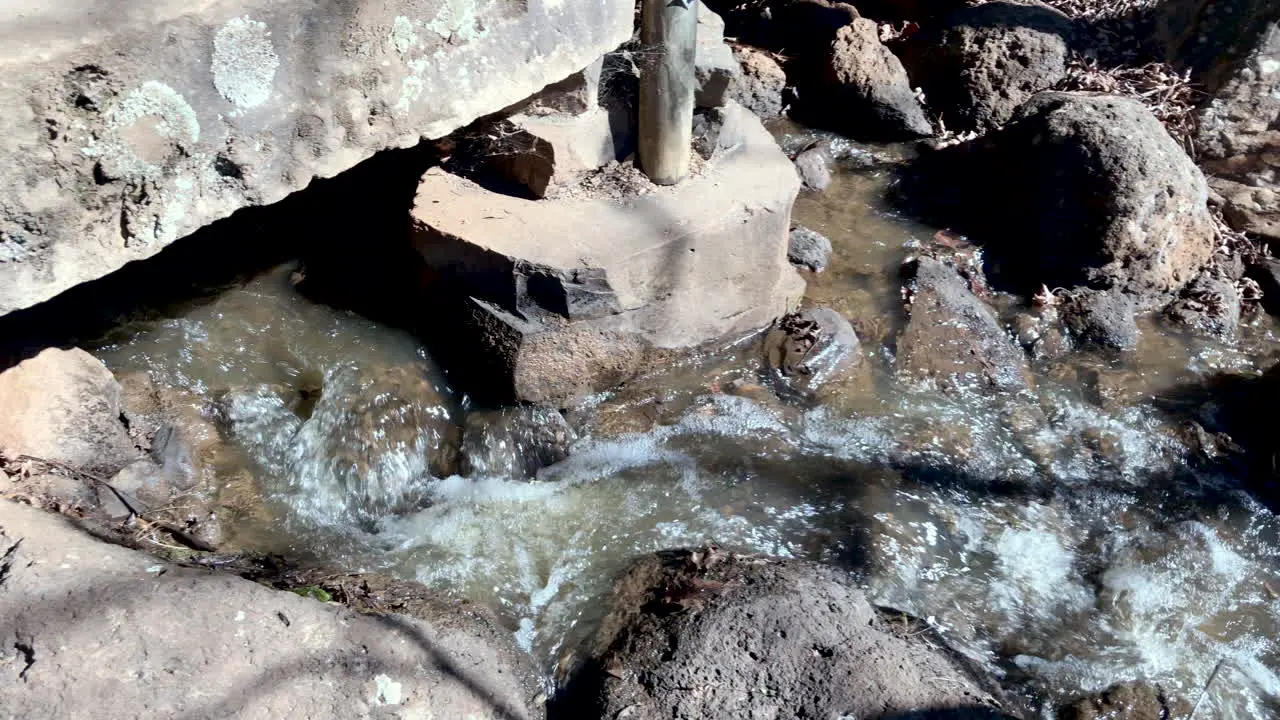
1066 539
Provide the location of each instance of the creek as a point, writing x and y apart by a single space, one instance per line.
1066 540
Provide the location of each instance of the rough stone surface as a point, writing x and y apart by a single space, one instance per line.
678 266
64 405
1266 272
81 615
129 125
1209 39
809 249
513 443
952 340
870 94
980 63
760 82
714 64
1077 189
760 638
574 95
1210 306
1100 319
804 350
1239 139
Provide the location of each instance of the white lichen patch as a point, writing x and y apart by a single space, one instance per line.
244 62
387 691
403 38
166 120
458 20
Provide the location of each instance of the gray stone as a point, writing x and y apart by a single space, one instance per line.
980 63
64 405
81 615
809 249
548 151
574 95
513 443
130 126
866 89
953 341
714 64
676 267
1238 138
760 82
1209 305
1101 319
814 167
761 637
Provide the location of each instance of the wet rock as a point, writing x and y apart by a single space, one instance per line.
1210 306
561 309
64 405
804 350
814 167
1137 700
1100 319
376 435
952 339
66 595
1266 272
865 91
513 443
117 146
754 633
760 82
714 66
1237 139
1077 189
980 63
809 249
177 430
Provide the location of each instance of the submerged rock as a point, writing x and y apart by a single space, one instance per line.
980 63
65 406
759 637
79 612
805 350
1138 700
513 443
809 249
952 339
814 167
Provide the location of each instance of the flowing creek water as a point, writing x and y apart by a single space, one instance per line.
1063 540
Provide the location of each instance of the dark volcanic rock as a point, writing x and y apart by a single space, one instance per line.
980 63
1077 189
952 339
1100 318
809 249
1210 305
759 83
814 167
864 91
759 637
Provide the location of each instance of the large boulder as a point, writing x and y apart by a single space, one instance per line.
953 340
865 91
760 82
80 615
565 293
701 634
128 127
980 63
1077 189
64 406
513 443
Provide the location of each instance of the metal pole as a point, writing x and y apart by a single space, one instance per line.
668 35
